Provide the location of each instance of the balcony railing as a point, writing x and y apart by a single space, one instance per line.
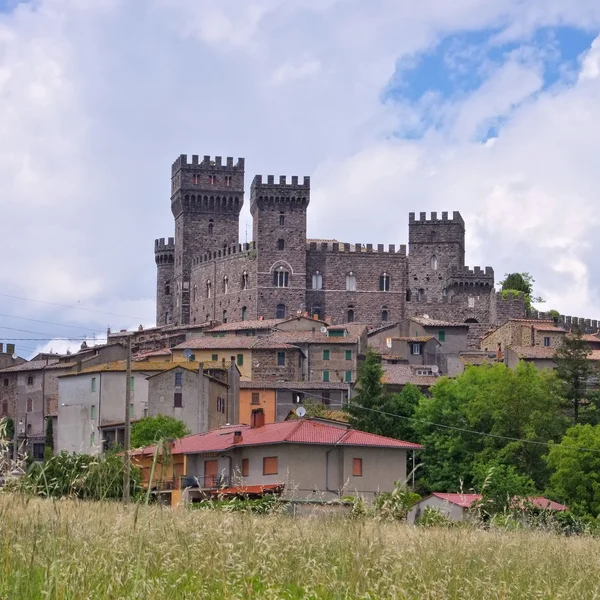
208 482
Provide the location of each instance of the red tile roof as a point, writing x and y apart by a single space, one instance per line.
403 374
303 431
545 504
464 500
427 322
244 325
234 343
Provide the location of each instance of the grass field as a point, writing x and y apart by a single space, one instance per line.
65 549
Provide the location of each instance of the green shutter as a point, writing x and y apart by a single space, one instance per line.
215 357
325 354
325 375
131 383
348 354
348 376
240 360
441 335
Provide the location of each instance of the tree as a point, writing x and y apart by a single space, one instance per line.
520 283
576 477
574 370
49 445
150 430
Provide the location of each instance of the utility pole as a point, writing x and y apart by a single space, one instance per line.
127 437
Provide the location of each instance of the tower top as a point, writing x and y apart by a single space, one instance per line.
281 194
434 220
207 164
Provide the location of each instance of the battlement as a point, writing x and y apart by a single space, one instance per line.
160 245
228 251
567 321
207 163
257 182
356 248
423 220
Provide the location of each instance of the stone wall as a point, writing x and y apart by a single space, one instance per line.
265 367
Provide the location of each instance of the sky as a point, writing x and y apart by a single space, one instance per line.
489 108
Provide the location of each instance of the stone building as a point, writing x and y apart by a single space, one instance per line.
205 275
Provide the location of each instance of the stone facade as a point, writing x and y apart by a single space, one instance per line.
205 274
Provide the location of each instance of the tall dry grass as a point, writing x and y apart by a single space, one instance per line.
77 550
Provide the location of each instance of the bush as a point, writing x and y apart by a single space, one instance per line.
433 517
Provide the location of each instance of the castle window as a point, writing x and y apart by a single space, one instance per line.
245 280
29 405
351 282
384 314
167 290
408 295
225 284
281 278
208 288
228 180
280 244
244 313
434 264
5 382
350 315
317 281
194 293
211 227
212 179
471 301
420 295
384 283
195 179
30 380
280 311
433 236
224 316
281 219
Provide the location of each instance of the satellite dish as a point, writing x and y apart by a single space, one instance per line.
323 329
300 411
435 369
187 353
14 357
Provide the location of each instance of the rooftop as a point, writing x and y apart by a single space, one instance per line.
234 343
302 431
294 385
427 322
403 374
34 365
413 339
467 500
121 366
245 325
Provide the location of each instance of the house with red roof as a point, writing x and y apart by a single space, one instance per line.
457 506
304 458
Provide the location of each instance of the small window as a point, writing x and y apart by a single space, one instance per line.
215 357
441 335
29 405
547 342
270 466
245 280
132 383
195 179
280 244
281 219
224 316
281 278
434 263
240 360
420 295
326 398
93 412
167 290
384 283
348 377
177 400
208 289
93 384
280 311
317 281
408 295
325 354
178 379
38 451
351 282
348 354
281 358
195 294
415 349
244 313
350 318
325 376
225 284
245 467
211 228
357 467
471 301
30 380
228 180
5 382
255 398
4 407
384 315
212 179
433 236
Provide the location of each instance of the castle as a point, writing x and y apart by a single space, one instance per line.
204 274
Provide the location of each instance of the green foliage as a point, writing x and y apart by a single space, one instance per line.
79 476
268 504
376 411
500 485
149 430
7 428
509 404
515 283
49 445
433 517
574 369
576 477
553 314
394 505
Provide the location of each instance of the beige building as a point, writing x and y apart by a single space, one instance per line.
304 458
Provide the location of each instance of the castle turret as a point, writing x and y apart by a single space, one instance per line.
279 226
206 199
164 255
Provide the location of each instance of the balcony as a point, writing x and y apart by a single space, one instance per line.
209 482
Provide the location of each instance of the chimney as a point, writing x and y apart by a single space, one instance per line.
237 437
257 419
10 349
1 348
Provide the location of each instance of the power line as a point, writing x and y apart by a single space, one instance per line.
25 330
47 322
101 312
54 338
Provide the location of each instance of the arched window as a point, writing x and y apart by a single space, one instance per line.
281 278
350 315
384 313
280 311
384 283
351 282
281 218
225 284
208 288
245 280
434 264
29 405
280 244
30 380
224 316
167 290
244 313
195 293
317 281
211 227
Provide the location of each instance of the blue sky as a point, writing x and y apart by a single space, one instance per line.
390 107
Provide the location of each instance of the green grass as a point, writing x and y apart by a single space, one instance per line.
77 550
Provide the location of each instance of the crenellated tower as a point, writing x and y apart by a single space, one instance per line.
206 199
164 255
279 226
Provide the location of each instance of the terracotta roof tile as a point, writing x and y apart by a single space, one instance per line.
532 352
32 365
120 365
244 325
414 339
294 385
427 322
403 374
463 500
243 342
